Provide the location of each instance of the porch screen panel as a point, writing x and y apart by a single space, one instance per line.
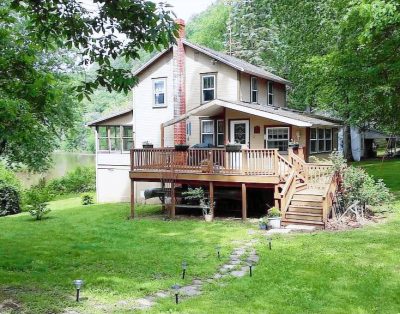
278 138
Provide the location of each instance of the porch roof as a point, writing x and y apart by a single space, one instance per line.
280 114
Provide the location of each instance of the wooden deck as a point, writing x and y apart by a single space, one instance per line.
246 168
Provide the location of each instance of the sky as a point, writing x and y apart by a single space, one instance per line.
184 9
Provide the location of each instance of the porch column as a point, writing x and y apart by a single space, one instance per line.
173 200
162 135
132 215
244 201
211 190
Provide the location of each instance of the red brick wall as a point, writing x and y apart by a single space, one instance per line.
179 84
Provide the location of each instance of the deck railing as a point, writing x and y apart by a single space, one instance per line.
215 160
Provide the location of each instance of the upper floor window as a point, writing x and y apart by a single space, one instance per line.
254 89
207 87
115 138
320 140
159 92
270 93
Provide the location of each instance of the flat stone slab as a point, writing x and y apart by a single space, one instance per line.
217 276
144 303
239 273
278 231
197 282
191 290
253 258
162 294
238 251
300 228
235 262
228 267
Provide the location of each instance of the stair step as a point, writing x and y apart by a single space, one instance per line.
306 197
305 209
317 224
309 203
304 216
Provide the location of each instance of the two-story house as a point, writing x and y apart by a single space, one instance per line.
188 94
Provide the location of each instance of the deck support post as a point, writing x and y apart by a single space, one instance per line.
244 201
132 215
173 201
211 192
162 135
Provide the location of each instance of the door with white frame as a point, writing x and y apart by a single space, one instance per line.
239 134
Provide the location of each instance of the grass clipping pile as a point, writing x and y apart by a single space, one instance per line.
360 198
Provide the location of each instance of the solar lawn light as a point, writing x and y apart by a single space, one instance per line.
78 284
270 243
251 269
176 288
218 249
184 267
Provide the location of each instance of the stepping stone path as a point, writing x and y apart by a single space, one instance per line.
237 266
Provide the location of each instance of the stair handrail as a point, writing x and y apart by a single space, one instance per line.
287 192
327 198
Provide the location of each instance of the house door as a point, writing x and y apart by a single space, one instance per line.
240 132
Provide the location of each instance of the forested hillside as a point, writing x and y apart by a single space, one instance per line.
340 55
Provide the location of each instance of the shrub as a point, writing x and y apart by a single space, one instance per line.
36 200
10 192
87 199
9 199
80 180
273 212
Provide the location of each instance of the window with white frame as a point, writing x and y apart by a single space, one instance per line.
220 132
159 92
188 128
277 137
270 93
102 134
254 89
320 140
127 138
115 138
207 131
207 87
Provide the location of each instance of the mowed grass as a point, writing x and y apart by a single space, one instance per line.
117 258
356 271
388 170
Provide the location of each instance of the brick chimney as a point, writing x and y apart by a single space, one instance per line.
179 84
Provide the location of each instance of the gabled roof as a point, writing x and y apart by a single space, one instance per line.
280 114
110 116
231 61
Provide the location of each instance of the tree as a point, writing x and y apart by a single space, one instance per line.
38 99
208 28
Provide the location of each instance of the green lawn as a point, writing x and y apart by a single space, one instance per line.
117 258
355 271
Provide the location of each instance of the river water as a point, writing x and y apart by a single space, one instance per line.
63 163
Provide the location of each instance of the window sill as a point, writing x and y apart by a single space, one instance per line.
160 107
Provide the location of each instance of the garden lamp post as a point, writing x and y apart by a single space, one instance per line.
218 249
251 269
184 267
176 288
78 284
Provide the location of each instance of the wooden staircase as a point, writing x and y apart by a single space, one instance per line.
305 208
306 192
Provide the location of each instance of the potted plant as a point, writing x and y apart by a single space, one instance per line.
274 217
293 144
181 147
147 144
236 147
262 222
198 194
